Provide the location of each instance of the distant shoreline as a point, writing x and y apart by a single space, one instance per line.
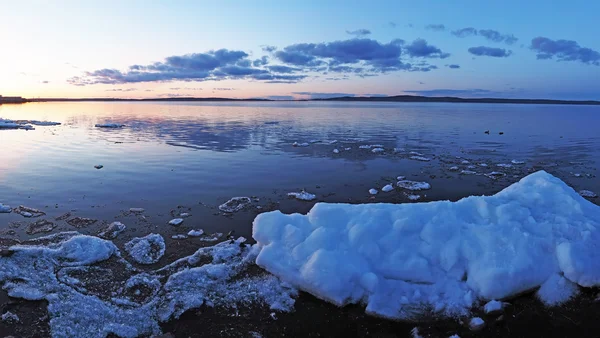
397 98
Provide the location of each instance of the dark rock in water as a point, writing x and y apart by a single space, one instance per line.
487 132
112 230
501 133
63 216
99 166
41 225
80 222
6 252
28 212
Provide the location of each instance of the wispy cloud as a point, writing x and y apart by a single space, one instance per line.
490 51
268 49
436 27
453 92
226 89
121 90
317 95
420 48
464 32
564 50
489 34
359 32
453 66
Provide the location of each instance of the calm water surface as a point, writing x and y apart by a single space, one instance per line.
199 155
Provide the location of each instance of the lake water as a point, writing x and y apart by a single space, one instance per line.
198 155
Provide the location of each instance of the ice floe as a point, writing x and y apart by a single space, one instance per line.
413 197
112 230
5 209
465 162
176 221
403 260
180 236
93 292
493 306
373 191
420 158
377 150
110 125
304 144
387 188
517 162
495 175
28 212
195 233
468 172
303 195
365 146
336 151
453 168
588 193
476 324
413 185
40 226
146 250
504 165
235 204
136 210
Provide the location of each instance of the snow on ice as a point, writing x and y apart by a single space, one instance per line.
413 185
146 250
476 324
405 259
303 195
132 303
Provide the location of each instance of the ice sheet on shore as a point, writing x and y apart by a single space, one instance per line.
408 259
132 304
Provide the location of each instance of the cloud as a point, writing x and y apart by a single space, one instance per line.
283 69
359 32
121 90
490 51
453 66
392 24
453 92
436 27
279 97
489 34
564 50
496 36
464 32
268 49
224 89
45 82
420 48
216 65
316 95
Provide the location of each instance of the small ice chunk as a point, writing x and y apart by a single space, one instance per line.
588 193
184 214
304 144
517 162
483 165
180 236
10 317
465 162
373 191
112 230
415 153
365 146
387 188
453 168
476 324
454 336
420 158
400 178
413 197
399 150
314 141
195 233
235 204
377 150
493 306
110 125
414 333
176 221
303 195
136 210
346 149
44 123
472 167
413 185
5 209
556 290
495 175
146 250
26 214
336 151
504 165
333 142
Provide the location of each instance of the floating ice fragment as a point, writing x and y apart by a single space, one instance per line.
504 165
180 236
176 221
467 172
112 230
471 167
195 233
495 175
10 317
44 123
110 125
136 210
185 215
235 204
483 165
333 142
517 162
303 195
400 178
420 158
399 150
413 185
377 150
365 146
146 250
415 153
476 324
5 209
347 149
493 306
28 212
413 197
304 144
336 151
588 193
465 162
453 168
373 191
387 188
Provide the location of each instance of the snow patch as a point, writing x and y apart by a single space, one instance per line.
303 195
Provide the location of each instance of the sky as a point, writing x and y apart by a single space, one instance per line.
300 49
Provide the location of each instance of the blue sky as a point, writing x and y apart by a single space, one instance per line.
219 48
